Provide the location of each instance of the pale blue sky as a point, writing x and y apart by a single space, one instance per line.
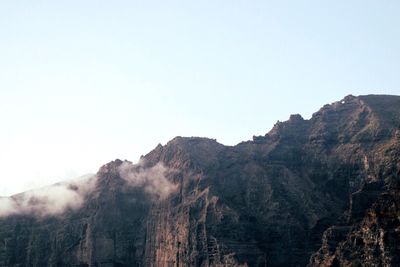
85 82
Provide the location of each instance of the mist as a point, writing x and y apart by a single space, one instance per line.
50 200
56 199
153 180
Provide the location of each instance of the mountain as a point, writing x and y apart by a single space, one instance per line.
317 192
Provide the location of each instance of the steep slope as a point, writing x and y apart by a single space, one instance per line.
307 188
369 237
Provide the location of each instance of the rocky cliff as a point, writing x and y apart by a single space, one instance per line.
317 192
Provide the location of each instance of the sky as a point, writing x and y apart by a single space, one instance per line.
85 82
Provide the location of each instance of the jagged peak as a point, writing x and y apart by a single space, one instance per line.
296 118
349 98
372 101
193 140
351 114
183 150
348 103
294 123
184 143
112 166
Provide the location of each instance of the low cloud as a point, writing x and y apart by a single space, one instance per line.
153 180
48 201
56 199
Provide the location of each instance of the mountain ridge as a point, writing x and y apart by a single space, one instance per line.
293 197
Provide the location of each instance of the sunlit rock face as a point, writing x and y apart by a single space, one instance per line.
318 192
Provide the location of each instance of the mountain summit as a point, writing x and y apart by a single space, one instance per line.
317 192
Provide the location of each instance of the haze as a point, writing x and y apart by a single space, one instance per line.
85 82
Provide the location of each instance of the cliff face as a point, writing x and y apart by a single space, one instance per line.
370 234
322 192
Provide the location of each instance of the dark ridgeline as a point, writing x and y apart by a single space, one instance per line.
318 192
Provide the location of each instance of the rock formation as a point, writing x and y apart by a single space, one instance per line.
317 192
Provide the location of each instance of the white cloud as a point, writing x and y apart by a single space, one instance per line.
153 180
55 199
50 200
